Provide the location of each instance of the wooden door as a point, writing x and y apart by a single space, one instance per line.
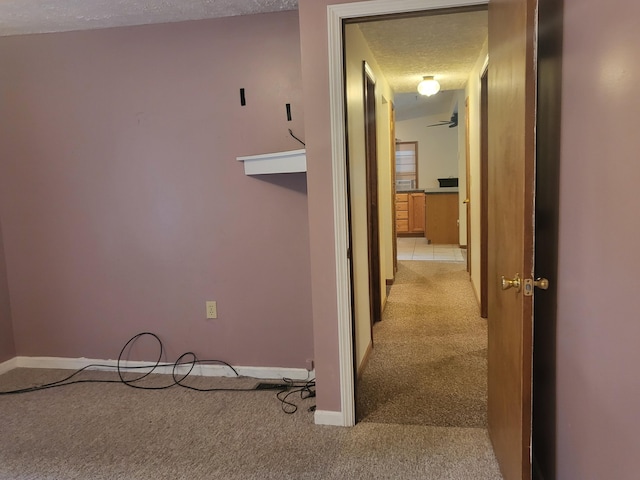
484 173
373 225
467 200
511 94
392 143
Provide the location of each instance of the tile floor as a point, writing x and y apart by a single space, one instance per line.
417 248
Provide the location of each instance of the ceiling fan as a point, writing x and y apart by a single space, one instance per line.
452 123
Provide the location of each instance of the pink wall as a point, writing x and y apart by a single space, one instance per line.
7 348
315 78
598 333
123 206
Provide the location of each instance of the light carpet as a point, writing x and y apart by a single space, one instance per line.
114 432
429 361
110 431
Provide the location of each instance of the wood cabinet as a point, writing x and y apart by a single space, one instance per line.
402 213
410 213
442 218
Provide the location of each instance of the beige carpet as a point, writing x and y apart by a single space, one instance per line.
110 431
113 432
428 365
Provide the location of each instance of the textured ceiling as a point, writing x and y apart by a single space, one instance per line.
41 16
445 46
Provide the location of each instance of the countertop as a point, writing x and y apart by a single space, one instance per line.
441 190
430 190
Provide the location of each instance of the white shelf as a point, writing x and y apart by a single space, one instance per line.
293 161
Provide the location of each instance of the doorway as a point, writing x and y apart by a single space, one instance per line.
514 60
444 202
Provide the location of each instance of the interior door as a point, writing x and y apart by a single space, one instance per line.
467 198
511 96
484 186
392 156
373 226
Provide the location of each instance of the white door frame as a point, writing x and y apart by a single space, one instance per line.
335 16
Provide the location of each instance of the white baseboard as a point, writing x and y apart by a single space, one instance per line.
8 365
326 417
199 370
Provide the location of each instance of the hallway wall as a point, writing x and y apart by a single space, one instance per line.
357 51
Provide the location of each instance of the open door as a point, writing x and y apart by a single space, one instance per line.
392 156
373 216
467 198
511 92
484 186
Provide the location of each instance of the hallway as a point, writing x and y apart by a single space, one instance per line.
428 365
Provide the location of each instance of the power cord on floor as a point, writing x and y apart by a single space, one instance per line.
306 390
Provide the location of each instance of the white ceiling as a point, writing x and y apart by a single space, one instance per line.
446 46
42 16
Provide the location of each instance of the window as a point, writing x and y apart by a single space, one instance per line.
406 165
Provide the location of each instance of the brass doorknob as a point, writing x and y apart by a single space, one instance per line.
465 201
541 283
507 283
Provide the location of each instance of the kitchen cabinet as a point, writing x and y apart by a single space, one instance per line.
442 218
410 213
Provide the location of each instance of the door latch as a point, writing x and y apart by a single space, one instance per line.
529 284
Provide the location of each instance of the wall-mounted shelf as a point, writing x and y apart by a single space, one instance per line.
293 161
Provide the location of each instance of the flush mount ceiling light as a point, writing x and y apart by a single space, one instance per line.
428 86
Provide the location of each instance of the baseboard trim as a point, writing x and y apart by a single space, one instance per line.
412 234
475 292
326 417
8 365
365 360
199 370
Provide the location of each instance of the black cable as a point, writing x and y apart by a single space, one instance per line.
291 133
131 382
306 389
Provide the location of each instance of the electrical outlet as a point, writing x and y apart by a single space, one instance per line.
212 309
